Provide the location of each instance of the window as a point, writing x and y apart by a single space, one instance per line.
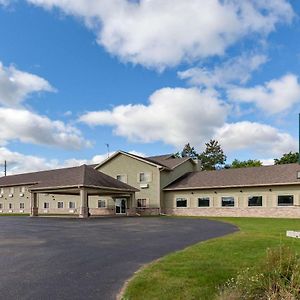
46 205
22 205
60 205
227 201
11 190
122 178
10 206
2 191
285 200
181 202
22 189
1 206
203 202
255 201
101 203
141 202
71 204
144 177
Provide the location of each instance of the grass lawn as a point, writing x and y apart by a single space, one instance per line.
198 271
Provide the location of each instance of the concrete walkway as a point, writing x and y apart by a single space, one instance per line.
62 258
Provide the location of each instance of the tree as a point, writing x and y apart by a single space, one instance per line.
213 156
287 158
187 151
246 163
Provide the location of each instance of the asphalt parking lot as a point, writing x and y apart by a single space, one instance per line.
64 258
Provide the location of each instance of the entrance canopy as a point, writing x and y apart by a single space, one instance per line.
83 181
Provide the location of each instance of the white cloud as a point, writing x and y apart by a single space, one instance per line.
28 127
237 69
267 161
163 33
174 115
16 85
275 96
259 138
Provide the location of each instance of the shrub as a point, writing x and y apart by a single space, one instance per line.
277 278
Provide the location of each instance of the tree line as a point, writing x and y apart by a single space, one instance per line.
214 158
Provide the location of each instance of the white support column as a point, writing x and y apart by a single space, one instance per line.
84 207
34 210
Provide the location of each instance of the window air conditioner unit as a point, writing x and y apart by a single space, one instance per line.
21 210
144 185
10 211
21 194
10 195
71 210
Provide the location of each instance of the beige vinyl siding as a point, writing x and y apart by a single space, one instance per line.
123 164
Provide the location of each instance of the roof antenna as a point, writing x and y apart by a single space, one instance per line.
107 146
5 168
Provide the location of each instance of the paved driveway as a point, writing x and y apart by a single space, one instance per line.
60 258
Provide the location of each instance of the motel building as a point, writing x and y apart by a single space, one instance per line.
128 185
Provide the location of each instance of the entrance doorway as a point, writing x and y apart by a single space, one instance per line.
120 206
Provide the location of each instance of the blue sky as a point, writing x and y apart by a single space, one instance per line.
146 76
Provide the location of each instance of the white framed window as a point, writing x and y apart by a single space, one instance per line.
1 205
144 177
203 202
181 202
46 205
142 203
122 177
1 191
255 201
11 190
60 204
22 189
10 206
22 205
227 201
71 204
101 203
285 200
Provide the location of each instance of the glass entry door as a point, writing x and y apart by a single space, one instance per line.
120 206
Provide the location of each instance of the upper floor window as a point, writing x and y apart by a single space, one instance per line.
122 177
227 201
181 202
144 176
1 190
142 203
22 189
255 201
285 200
101 203
203 202
11 190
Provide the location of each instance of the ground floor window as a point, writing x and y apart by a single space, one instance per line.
46 205
255 201
141 203
10 206
1 205
60 205
285 200
22 205
101 203
203 202
71 204
181 202
227 201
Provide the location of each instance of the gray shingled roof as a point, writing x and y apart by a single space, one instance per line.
168 160
256 176
76 176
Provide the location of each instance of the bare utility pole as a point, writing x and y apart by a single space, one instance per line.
107 146
5 168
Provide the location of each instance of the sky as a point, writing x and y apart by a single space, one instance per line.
147 77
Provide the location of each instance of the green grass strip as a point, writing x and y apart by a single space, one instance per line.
198 271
